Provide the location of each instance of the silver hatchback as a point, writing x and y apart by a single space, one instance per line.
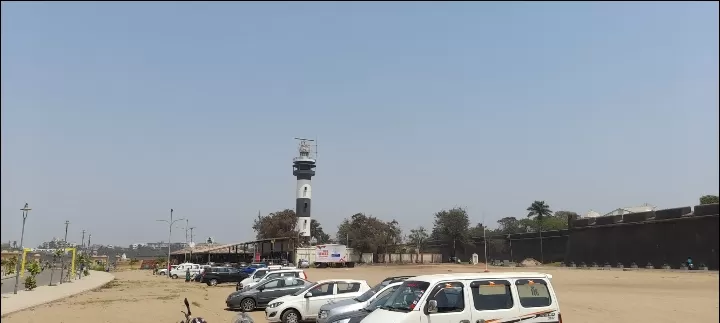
360 302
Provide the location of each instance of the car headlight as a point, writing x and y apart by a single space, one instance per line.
273 305
347 320
322 315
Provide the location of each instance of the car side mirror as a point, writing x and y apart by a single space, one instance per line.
308 295
432 306
261 288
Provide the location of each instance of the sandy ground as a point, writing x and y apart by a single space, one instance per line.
586 296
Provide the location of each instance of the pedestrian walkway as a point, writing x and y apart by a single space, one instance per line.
45 294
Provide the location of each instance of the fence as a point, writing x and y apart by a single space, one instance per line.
410 258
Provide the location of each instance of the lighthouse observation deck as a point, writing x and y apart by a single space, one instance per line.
304 163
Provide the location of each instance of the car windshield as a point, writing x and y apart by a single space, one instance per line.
300 292
367 295
405 298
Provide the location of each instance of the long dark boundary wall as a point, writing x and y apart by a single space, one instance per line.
515 247
668 238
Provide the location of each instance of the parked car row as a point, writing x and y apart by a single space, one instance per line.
441 298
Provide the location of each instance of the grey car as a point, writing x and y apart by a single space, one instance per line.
357 303
357 316
250 298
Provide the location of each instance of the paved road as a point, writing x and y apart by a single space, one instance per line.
43 279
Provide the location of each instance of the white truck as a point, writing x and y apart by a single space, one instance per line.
332 255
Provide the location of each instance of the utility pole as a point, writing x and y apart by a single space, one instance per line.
485 243
187 224
191 241
82 241
62 259
170 223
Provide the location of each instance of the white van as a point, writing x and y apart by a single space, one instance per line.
181 269
472 297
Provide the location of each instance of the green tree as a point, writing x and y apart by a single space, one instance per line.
10 264
538 210
418 238
34 269
276 225
366 233
56 256
317 232
479 230
708 199
452 225
509 225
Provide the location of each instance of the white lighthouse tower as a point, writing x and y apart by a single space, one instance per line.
304 170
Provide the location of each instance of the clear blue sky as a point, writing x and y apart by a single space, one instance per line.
113 113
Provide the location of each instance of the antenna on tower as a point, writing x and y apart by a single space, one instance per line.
307 149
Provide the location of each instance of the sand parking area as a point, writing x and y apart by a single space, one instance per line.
586 296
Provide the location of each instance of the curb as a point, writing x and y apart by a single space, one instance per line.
38 301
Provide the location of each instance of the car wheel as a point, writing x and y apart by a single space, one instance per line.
212 282
290 316
162 273
175 276
247 305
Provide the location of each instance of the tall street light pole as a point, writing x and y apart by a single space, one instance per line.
170 223
62 260
25 210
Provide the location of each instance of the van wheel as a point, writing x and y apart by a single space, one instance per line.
248 305
212 282
290 316
175 276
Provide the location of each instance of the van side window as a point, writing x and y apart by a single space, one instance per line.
533 293
449 296
343 288
489 295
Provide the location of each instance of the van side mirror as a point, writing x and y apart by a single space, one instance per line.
261 288
308 295
432 306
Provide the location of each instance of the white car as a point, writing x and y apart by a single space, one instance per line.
164 271
181 269
258 276
471 297
304 304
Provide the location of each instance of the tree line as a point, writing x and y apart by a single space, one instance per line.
369 234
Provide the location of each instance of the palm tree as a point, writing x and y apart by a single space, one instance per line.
539 210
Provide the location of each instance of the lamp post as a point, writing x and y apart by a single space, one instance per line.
170 224
25 210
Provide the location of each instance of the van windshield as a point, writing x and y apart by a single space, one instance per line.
405 298
366 296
